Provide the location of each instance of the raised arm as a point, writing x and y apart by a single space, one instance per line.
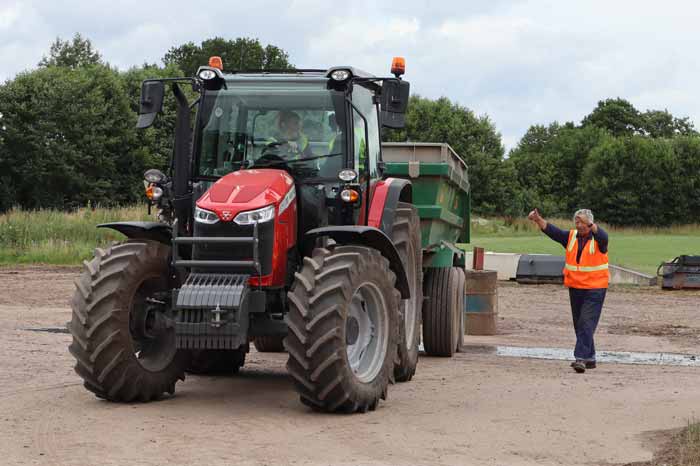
601 237
556 234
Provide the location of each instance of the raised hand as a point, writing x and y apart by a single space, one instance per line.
535 215
537 218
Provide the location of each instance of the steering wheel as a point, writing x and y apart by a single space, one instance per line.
273 148
267 159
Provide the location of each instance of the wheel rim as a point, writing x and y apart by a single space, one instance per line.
153 341
409 310
366 332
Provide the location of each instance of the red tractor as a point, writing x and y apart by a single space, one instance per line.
276 227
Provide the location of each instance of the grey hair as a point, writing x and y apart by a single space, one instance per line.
584 213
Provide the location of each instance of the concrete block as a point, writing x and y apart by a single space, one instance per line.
623 276
505 264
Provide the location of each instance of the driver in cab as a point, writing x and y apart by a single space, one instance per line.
292 141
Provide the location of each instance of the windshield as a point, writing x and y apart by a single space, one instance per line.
292 125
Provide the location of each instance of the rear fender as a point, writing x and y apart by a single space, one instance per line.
370 237
154 231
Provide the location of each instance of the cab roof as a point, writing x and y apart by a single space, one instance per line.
298 73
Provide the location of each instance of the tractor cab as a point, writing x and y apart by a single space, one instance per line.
294 124
322 127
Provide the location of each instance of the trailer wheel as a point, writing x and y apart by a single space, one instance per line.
123 343
343 324
216 362
442 311
407 239
269 344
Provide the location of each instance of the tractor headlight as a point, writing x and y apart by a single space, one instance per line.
154 176
156 194
347 175
256 216
205 216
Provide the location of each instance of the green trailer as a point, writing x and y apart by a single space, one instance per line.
440 181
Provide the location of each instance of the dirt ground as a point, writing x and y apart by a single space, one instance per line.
479 409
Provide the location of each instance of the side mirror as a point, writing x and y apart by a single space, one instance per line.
394 102
151 103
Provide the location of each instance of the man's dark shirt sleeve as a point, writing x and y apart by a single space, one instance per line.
602 239
558 235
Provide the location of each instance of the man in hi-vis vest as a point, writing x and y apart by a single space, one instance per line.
586 275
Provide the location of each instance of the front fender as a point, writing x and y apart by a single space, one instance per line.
385 200
371 237
154 231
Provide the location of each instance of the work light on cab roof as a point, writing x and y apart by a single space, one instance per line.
207 74
340 75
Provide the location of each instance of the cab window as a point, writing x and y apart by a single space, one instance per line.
366 152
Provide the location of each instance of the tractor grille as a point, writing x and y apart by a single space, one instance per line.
235 252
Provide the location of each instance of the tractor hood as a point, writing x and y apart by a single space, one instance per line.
245 190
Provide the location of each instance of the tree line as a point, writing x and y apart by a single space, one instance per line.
629 167
67 139
67 128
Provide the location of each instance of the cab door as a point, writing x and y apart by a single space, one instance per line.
366 145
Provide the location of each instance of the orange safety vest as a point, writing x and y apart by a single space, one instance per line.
591 272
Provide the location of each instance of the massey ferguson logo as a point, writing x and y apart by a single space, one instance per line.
226 214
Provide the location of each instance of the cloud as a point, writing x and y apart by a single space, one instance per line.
521 63
9 15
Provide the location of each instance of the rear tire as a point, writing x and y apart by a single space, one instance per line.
343 324
216 362
407 239
442 311
269 344
111 316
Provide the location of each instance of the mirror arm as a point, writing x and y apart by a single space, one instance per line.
181 161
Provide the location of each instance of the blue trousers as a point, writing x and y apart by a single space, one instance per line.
586 307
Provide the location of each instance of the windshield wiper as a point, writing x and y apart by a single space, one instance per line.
315 157
305 159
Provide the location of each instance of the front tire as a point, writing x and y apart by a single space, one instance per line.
123 346
343 329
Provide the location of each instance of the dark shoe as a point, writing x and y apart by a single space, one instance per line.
589 364
579 366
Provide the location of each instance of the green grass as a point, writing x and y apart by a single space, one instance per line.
679 449
688 445
641 249
53 237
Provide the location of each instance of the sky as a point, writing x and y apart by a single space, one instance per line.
518 62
